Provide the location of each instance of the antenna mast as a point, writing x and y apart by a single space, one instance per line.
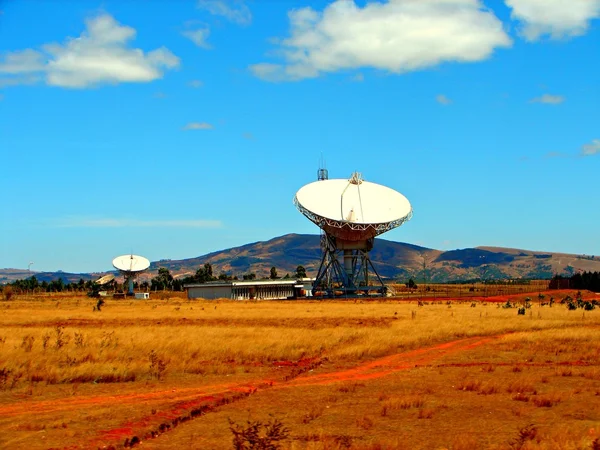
322 173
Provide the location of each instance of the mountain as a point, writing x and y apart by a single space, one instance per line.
288 252
393 260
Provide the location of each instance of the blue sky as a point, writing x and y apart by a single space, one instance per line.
173 129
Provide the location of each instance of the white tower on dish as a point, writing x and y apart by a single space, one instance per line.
350 213
130 267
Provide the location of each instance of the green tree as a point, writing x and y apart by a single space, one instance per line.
273 275
300 272
165 277
204 274
162 281
411 284
56 285
178 284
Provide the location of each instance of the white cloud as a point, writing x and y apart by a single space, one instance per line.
234 11
550 155
198 37
90 222
397 36
100 55
196 84
14 81
593 148
23 61
198 126
268 71
442 99
548 99
556 18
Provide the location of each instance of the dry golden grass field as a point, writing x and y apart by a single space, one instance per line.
393 374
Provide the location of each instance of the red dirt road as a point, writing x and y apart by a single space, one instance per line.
188 403
390 364
373 369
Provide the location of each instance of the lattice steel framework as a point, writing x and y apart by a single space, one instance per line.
335 279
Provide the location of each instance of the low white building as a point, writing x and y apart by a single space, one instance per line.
251 290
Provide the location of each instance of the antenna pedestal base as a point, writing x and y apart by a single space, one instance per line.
350 278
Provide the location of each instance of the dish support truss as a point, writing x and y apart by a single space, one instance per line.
335 279
129 279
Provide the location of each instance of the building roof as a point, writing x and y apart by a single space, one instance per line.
237 283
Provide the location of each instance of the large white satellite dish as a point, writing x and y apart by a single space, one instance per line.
130 267
353 209
351 213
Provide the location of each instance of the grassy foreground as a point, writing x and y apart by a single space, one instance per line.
71 376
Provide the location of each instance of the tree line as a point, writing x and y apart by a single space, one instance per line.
580 280
32 284
164 280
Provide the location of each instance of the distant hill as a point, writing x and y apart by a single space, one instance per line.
393 260
288 252
10 275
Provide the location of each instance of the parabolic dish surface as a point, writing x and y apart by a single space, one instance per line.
131 263
105 279
340 204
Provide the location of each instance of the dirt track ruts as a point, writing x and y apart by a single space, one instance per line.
183 401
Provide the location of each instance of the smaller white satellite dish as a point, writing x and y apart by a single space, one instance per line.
131 263
130 266
105 279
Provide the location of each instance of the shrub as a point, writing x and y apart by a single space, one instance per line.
61 338
588 306
8 292
27 343
546 402
527 433
364 422
489 389
4 374
258 435
311 415
157 365
469 385
425 413
520 397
